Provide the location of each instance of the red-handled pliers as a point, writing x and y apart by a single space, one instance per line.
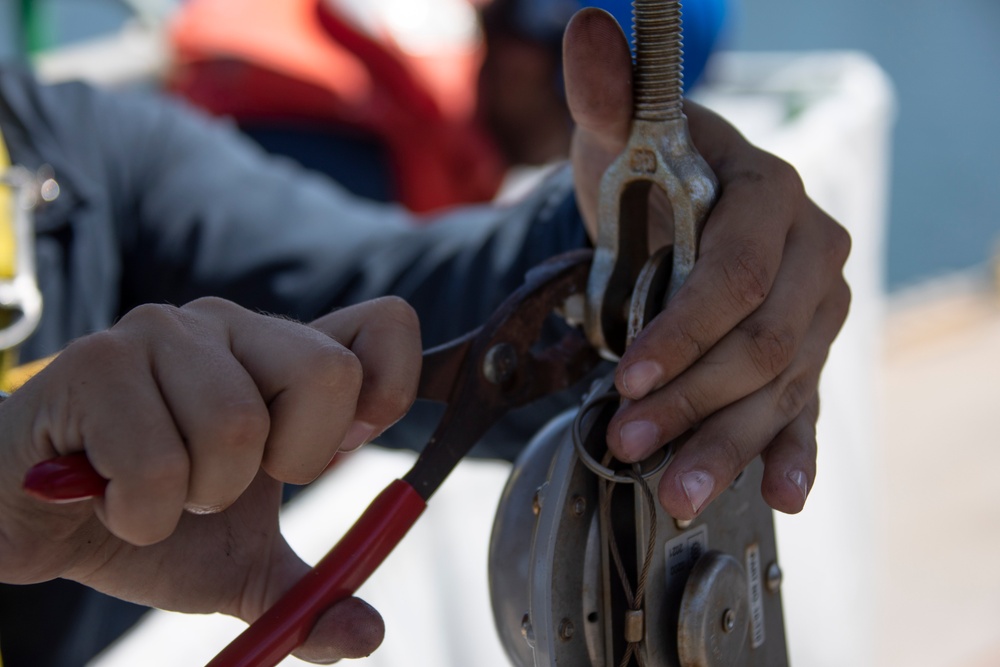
481 377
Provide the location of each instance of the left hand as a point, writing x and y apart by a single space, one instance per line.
196 415
737 353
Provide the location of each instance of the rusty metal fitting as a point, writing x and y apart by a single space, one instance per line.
659 156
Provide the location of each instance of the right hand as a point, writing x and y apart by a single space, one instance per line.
196 415
735 357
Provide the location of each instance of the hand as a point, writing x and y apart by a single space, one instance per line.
737 353
205 408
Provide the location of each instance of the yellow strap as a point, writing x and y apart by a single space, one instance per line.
18 375
7 252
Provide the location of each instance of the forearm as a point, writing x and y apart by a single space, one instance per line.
215 215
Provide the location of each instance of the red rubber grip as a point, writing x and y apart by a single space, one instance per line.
352 560
64 479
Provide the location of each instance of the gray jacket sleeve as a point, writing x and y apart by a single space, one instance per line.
214 215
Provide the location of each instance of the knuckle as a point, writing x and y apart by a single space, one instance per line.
210 304
783 175
154 316
747 277
689 334
240 425
686 404
156 321
795 395
771 346
770 171
400 313
333 366
811 412
732 455
838 245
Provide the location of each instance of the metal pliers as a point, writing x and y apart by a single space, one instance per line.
481 376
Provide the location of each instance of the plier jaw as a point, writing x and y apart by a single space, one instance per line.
503 365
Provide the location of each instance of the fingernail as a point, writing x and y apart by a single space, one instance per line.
639 378
359 433
204 509
638 439
698 486
801 482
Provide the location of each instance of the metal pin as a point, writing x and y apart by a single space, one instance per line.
774 577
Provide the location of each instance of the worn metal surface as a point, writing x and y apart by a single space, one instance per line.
659 160
548 565
568 579
715 613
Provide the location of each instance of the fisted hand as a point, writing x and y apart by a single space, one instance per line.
196 415
738 351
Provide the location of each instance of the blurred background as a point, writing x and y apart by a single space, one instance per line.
942 59
888 109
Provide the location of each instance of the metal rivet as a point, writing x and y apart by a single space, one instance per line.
566 630
537 500
773 577
527 631
500 363
574 309
728 620
579 505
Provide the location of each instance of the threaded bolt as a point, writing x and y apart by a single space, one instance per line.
658 75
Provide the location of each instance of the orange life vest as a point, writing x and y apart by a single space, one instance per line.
299 60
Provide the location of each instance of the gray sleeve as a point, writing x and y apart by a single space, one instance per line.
211 213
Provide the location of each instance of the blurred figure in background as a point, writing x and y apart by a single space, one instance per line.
400 101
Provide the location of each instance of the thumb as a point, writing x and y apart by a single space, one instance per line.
598 73
350 628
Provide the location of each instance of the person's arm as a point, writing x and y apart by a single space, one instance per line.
205 211
196 415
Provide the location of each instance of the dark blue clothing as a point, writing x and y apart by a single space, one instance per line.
160 204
